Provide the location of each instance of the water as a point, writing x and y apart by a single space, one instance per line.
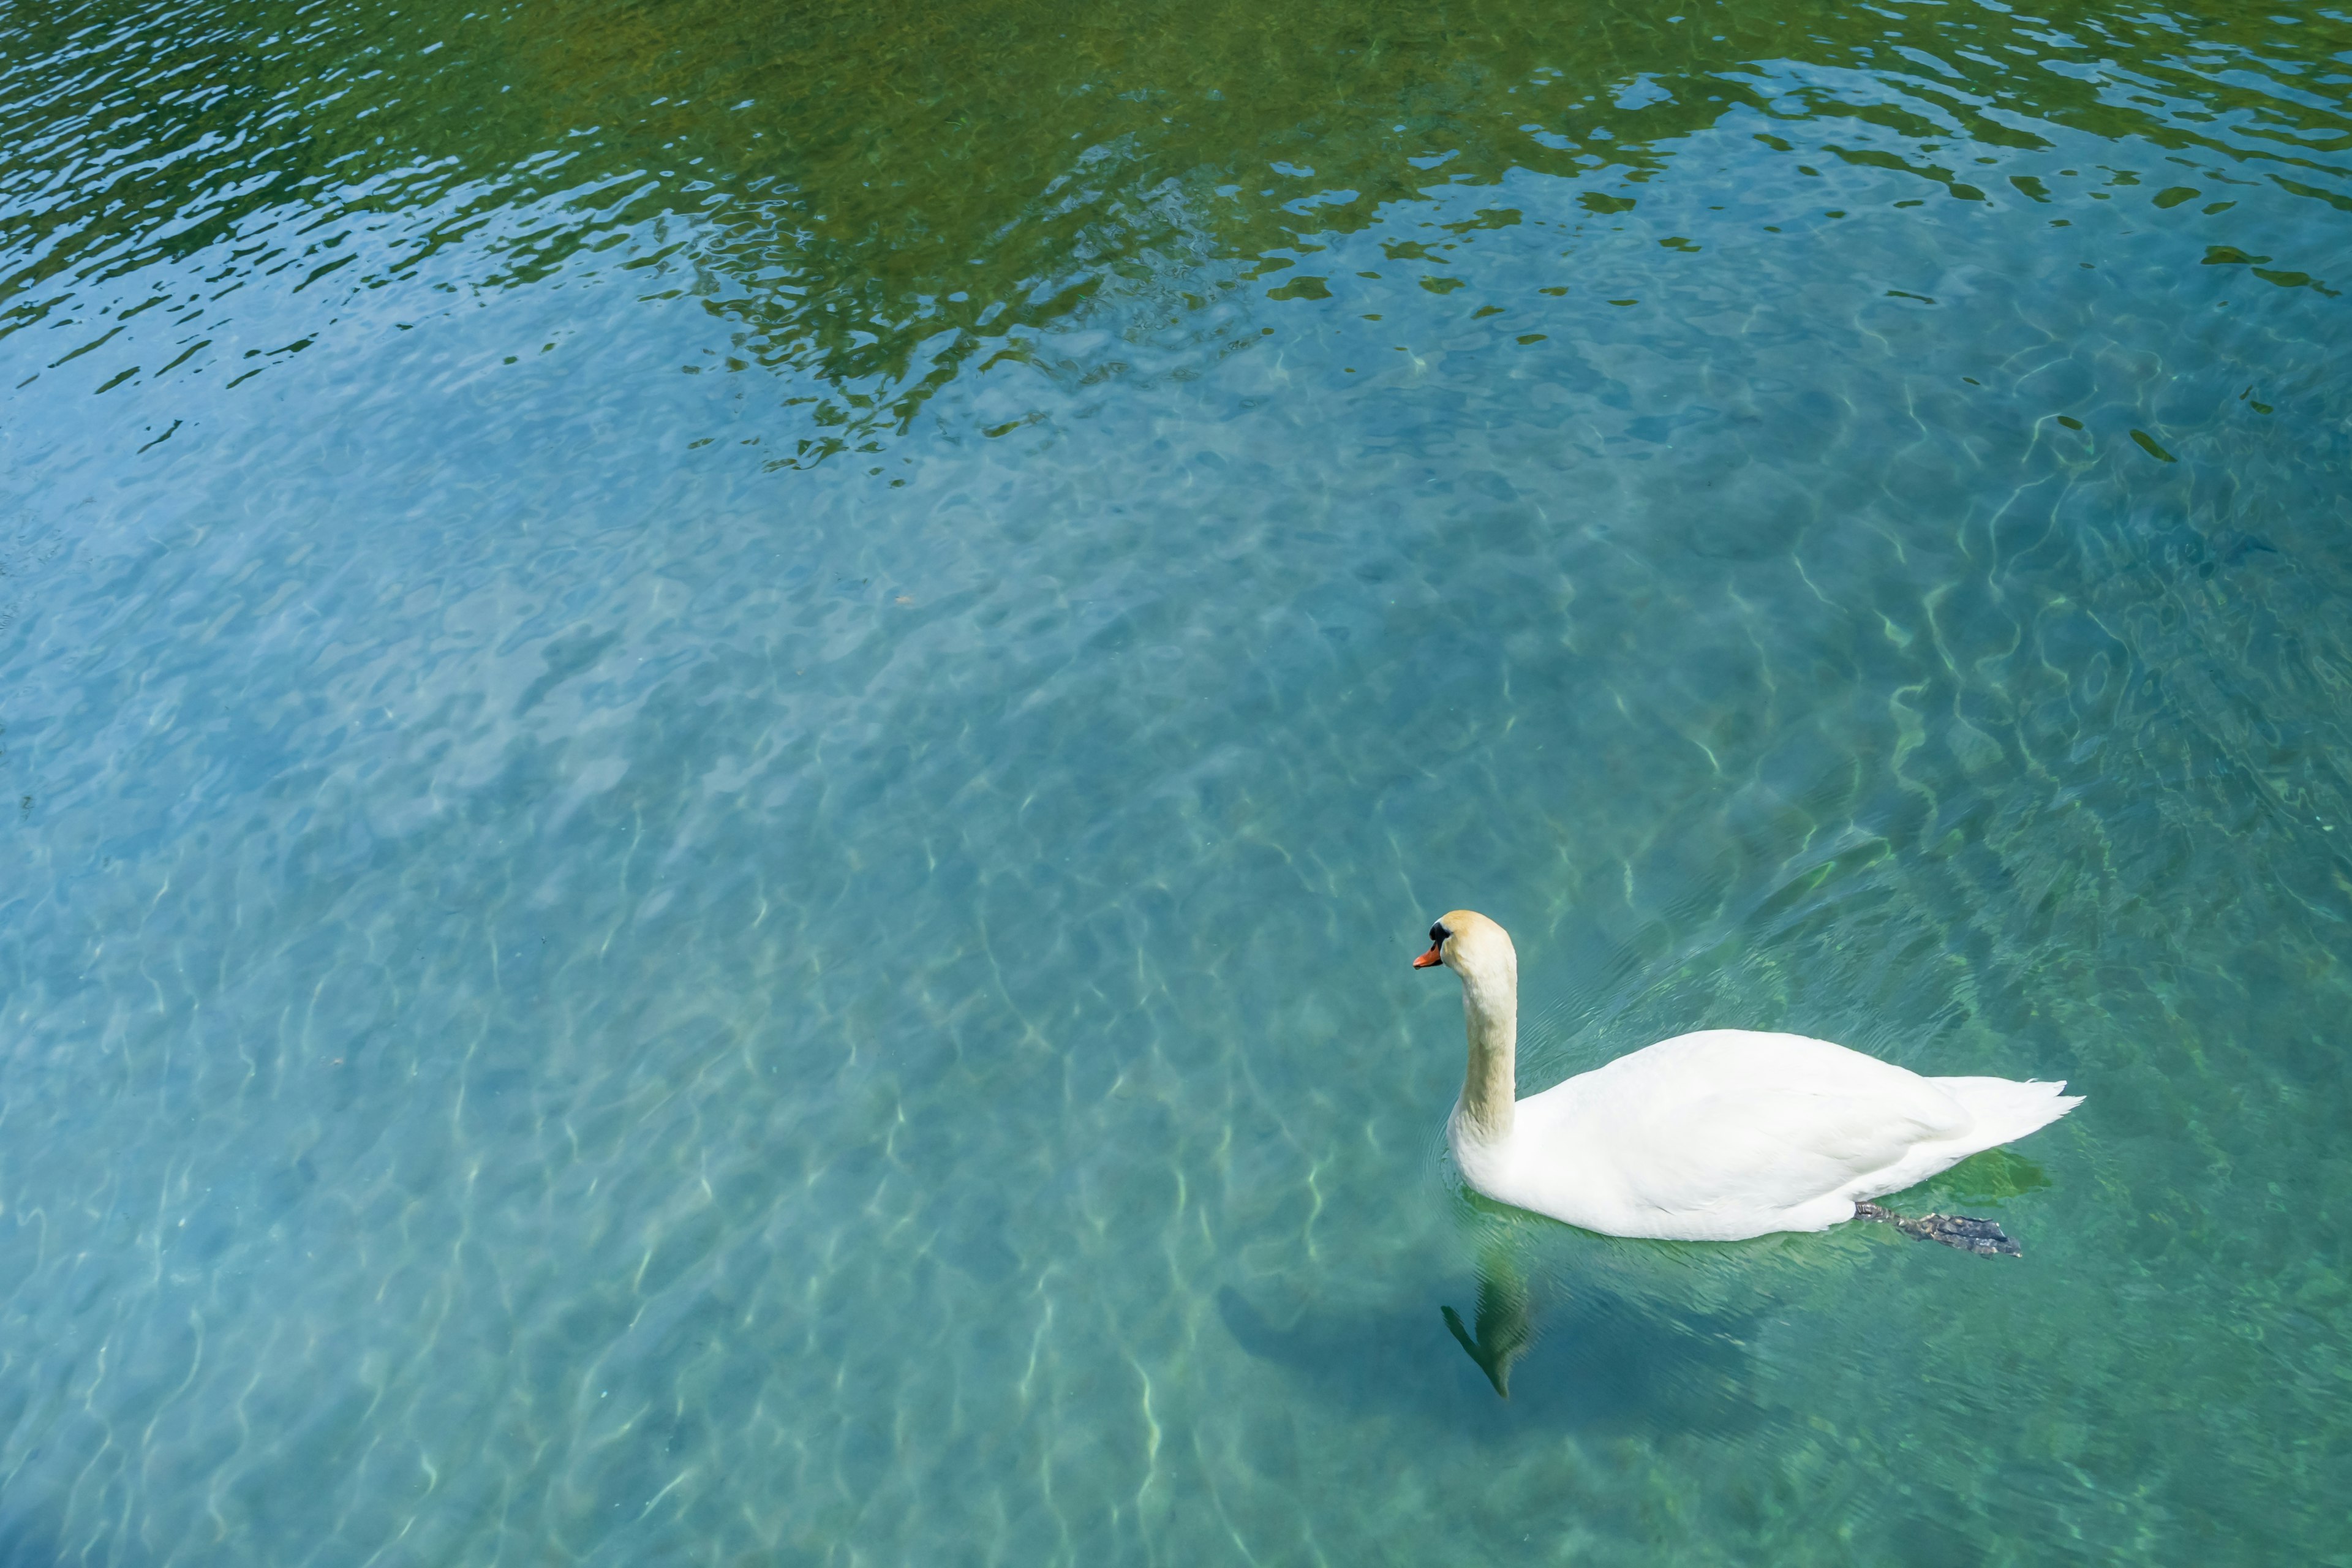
725 727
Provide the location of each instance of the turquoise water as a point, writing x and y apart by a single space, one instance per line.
726 728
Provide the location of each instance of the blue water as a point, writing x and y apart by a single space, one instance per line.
726 728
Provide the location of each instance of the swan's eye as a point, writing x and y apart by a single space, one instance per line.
1438 932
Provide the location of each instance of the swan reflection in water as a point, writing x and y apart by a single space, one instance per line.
1561 1356
1505 1322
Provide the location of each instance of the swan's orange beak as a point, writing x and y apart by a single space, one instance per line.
1433 956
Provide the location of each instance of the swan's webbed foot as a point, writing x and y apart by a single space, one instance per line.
1980 1236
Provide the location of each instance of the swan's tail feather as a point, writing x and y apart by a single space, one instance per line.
2005 1110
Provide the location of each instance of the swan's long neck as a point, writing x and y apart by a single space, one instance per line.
1490 1008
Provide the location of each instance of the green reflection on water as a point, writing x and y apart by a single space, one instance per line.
881 200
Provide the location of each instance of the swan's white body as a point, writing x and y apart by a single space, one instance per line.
1715 1136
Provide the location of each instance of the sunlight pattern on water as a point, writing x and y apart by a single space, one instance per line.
726 728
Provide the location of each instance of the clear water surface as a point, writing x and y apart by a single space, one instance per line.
725 726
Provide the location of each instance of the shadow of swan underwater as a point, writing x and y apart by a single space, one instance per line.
1605 1362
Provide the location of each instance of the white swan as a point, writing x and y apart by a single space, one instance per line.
1715 1136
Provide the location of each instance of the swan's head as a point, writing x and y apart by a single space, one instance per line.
1473 946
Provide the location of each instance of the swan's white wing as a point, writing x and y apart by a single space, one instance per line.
1726 1132
1761 1150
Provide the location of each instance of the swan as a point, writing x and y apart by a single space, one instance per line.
1714 1136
